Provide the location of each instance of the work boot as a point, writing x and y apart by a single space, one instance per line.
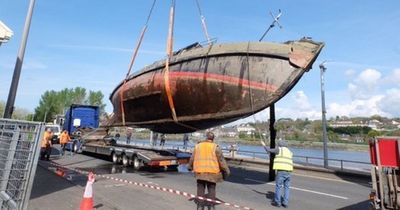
200 207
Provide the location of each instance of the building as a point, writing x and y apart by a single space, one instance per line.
245 128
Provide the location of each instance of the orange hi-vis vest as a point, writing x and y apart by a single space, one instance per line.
46 139
205 159
64 138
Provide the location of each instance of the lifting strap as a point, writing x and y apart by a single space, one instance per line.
132 62
166 71
169 55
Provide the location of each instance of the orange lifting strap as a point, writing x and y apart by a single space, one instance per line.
169 54
135 52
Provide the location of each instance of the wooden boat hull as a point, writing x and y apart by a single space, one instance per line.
213 85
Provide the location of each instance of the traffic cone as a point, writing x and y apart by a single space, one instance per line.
87 202
60 172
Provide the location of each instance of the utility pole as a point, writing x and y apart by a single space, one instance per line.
271 173
9 109
324 135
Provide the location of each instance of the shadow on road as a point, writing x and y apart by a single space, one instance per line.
357 206
247 176
354 178
46 182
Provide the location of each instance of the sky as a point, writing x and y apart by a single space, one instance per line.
89 43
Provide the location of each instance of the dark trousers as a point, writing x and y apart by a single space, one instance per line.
211 193
45 153
63 148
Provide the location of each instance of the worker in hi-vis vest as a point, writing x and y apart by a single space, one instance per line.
283 164
209 167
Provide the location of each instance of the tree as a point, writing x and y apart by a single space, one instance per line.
56 102
96 99
373 133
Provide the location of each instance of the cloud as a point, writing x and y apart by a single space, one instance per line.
365 84
350 72
393 78
390 103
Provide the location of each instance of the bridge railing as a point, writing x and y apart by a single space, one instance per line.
307 160
298 159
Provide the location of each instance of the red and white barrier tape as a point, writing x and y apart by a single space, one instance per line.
177 192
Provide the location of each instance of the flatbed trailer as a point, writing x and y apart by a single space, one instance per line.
132 155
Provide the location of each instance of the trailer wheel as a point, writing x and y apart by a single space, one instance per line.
75 148
135 162
125 160
114 158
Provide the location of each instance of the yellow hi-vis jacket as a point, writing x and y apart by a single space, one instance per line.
283 160
205 159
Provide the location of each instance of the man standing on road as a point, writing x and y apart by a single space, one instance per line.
162 140
283 164
64 139
45 145
209 166
185 140
129 135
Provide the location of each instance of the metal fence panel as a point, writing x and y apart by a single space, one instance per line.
19 153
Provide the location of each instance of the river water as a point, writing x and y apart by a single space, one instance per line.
350 159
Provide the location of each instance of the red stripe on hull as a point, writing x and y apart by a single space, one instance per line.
223 78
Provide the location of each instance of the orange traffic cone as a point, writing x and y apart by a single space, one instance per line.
60 172
87 202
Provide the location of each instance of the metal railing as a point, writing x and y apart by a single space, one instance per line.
298 159
311 161
19 153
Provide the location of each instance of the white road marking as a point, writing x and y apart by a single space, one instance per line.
301 189
303 175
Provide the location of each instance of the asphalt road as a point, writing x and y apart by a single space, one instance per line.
246 187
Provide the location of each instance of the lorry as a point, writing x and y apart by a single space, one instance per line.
385 172
81 117
82 121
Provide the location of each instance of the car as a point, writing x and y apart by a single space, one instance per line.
56 129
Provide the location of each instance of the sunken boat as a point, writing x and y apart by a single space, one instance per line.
203 87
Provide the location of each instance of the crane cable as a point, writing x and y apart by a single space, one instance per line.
135 52
203 23
251 94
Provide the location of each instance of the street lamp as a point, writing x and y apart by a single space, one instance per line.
324 136
9 109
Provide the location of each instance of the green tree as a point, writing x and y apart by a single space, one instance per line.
56 102
373 133
96 99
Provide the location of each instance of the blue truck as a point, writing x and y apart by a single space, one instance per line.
81 116
97 141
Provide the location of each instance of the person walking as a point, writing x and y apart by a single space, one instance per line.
129 135
162 140
283 164
209 167
185 140
64 139
45 145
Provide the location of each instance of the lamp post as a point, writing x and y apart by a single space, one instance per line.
324 135
18 65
